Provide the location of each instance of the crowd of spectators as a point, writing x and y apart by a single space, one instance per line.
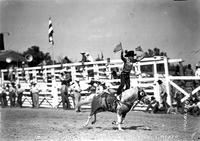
12 93
192 104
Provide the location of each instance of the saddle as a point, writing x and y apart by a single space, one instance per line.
109 102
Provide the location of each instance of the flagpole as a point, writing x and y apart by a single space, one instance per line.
50 31
52 46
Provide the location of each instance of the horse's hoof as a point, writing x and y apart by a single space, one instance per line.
93 122
114 122
121 129
85 125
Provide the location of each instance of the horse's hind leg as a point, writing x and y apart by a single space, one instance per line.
88 120
95 119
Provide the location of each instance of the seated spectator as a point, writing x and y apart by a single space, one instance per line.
153 105
194 105
172 109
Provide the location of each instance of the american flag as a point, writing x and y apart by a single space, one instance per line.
118 47
51 32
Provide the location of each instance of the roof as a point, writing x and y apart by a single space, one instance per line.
13 55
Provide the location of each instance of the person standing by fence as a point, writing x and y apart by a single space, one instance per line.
12 94
189 84
65 79
163 95
35 94
19 95
4 102
75 90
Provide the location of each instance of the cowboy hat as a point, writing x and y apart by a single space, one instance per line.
159 81
130 54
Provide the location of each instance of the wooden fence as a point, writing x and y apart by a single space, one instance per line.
47 78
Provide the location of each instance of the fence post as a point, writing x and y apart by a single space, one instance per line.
2 77
73 72
167 80
54 93
96 72
156 88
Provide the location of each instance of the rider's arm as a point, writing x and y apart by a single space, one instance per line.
122 56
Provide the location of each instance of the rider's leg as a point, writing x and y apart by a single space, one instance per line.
127 81
121 86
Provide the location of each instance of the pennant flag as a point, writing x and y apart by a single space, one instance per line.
139 48
118 48
51 32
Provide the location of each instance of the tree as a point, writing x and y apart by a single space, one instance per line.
47 59
66 60
150 53
38 56
100 58
155 52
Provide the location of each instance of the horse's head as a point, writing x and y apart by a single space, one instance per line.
141 94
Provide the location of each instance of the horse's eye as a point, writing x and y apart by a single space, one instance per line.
142 93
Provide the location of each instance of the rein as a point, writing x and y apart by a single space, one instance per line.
134 105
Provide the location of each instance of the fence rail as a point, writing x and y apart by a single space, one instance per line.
48 78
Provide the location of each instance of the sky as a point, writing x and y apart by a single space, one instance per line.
97 26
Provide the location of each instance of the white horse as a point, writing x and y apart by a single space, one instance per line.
108 102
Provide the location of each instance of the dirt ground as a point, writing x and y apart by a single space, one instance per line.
66 125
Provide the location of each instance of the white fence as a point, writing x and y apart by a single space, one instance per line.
48 78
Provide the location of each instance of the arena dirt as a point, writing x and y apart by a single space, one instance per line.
66 125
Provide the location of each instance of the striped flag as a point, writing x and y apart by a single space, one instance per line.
118 47
51 32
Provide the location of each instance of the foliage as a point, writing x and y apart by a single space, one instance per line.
38 56
150 53
66 60
155 52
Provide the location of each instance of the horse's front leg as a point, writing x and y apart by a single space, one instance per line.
95 119
119 121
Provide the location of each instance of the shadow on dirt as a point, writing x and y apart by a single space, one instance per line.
139 127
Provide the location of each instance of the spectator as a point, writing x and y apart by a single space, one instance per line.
163 96
189 71
99 87
19 95
1 98
114 75
35 94
189 83
194 105
12 93
153 104
197 72
93 86
65 79
4 95
75 90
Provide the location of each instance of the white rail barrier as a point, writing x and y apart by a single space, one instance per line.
48 77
